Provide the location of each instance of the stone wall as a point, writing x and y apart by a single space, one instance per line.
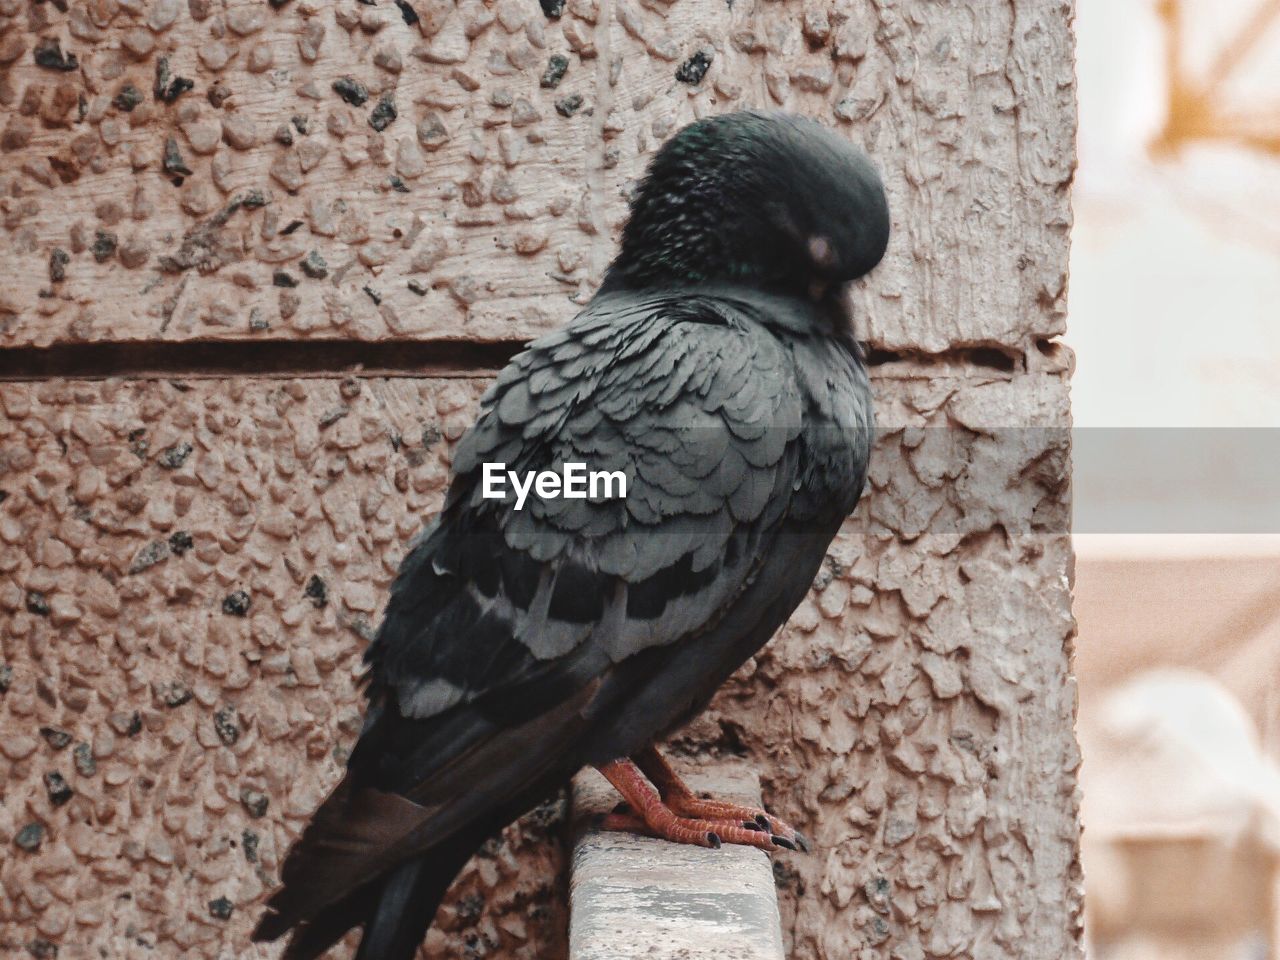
189 566
191 570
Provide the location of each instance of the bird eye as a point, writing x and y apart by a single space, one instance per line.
822 252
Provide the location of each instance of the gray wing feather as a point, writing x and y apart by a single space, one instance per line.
698 407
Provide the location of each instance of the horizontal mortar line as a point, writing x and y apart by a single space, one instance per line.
214 359
178 359
997 359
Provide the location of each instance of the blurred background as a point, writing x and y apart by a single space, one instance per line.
1175 302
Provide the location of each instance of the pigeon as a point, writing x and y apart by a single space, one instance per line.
717 369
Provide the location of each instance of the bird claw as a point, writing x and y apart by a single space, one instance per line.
782 834
674 812
703 833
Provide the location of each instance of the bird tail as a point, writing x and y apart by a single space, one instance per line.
406 906
395 911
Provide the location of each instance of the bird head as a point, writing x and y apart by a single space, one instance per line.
772 200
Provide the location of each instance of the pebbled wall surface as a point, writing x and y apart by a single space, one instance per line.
190 566
485 152
190 573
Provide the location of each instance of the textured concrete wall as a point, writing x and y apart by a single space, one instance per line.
190 571
915 719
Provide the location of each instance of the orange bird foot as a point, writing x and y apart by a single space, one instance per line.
659 804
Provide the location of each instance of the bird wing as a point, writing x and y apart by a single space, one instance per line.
502 623
699 410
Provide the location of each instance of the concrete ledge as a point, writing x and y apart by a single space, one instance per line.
638 897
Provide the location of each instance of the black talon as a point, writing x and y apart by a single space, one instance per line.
713 841
782 842
752 825
763 820
803 842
